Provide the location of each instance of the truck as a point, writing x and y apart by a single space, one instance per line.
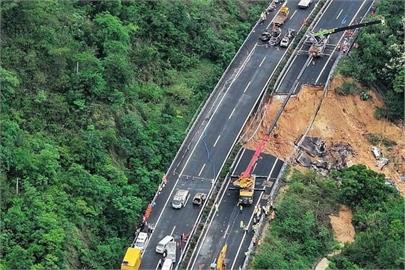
171 251
132 259
246 187
180 198
282 16
246 182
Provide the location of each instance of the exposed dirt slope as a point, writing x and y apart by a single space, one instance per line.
342 226
340 119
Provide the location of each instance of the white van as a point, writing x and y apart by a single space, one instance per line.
180 198
141 240
304 3
167 264
161 246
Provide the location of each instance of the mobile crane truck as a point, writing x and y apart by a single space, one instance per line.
246 182
320 39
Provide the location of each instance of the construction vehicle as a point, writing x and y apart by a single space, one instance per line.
220 264
281 16
246 182
318 41
132 259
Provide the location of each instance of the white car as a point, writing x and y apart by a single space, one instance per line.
141 240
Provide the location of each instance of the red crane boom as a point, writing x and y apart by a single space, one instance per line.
259 150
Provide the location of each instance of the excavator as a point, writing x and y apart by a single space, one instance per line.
319 40
246 182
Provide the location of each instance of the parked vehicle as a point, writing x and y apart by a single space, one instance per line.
281 16
171 251
141 240
167 264
275 36
199 198
285 41
304 3
180 198
265 36
132 259
162 245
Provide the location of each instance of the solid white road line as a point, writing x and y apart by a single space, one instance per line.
293 14
244 234
340 40
202 133
251 218
231 113
209 226
216 141
337 17
247 86
264 58
199 174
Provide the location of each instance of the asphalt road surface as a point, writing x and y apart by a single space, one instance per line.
301 71
214 134
225 227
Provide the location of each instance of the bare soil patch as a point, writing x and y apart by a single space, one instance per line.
345 119
342 226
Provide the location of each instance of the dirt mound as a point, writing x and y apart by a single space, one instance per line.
342 226
340 119
292 123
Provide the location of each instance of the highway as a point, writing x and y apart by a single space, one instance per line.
225 227
303 70
213 135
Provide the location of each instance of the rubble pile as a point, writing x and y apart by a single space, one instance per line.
315 154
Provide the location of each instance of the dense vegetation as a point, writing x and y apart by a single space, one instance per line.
301 233
379 60
95 99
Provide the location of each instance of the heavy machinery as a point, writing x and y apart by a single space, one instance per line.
319 40
246 182
281 16
132 259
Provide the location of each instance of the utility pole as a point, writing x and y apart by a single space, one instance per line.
16 186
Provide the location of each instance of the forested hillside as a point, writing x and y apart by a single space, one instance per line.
380 60
95 100
301 233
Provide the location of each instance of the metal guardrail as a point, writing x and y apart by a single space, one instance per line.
277 182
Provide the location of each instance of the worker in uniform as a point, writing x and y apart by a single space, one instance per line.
262 17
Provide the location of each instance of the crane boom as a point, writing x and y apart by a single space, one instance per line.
327 32
256 156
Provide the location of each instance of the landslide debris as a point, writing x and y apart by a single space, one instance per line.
346 127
